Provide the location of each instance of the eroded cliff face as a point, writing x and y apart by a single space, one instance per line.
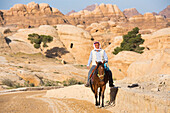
165 12
102 12
33 15
131 12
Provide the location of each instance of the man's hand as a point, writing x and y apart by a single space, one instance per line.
106 64
87 67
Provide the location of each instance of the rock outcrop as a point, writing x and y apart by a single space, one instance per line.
106 27
131 12
1 18
30 77
120 63
77 41
32 9
102 12
155 60
33 15
165 12
148 20
70 43
73 11
90 7
20 43
129 64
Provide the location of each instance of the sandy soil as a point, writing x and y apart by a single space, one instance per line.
35 102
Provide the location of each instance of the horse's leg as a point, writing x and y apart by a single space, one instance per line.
103 89
95 90
100 95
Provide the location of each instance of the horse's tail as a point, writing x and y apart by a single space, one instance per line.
91 85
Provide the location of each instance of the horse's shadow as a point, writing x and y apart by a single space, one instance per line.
113 94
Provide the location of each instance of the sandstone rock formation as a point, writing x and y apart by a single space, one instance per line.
72 11
106 27
69 42
1 18
148 20
120 63
32 15
165 12
20 43
90 7
30 77
102 12
77 41
131 12
153 62
157 40
154 43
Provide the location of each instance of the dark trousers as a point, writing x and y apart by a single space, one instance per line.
108 72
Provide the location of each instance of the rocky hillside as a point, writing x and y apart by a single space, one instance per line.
165 12
90 7
131 12
102 12
67 42
148 21
33 15
1 18
73 11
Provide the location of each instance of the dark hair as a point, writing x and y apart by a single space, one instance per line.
96 42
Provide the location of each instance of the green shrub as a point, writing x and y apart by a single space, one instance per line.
18 85
71 81
51 83
20 67
131 42
38 39
37 46
32 85
26 83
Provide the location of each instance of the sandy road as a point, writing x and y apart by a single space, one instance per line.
34 102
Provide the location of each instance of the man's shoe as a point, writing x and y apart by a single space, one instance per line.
111 85
87 85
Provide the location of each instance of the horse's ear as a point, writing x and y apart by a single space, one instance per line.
96 62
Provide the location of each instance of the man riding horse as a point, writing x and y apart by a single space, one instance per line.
99 55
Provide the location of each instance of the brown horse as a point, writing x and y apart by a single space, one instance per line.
99 79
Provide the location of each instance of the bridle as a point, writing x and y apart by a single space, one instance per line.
100 76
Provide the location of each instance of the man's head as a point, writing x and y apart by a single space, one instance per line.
97 45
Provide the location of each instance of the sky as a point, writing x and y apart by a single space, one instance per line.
66 6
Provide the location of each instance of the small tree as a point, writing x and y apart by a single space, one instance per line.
40 41
131 42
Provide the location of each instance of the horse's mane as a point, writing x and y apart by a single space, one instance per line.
98 64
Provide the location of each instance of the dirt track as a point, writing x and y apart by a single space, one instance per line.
33 102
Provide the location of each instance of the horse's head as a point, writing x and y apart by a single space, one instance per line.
100 69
